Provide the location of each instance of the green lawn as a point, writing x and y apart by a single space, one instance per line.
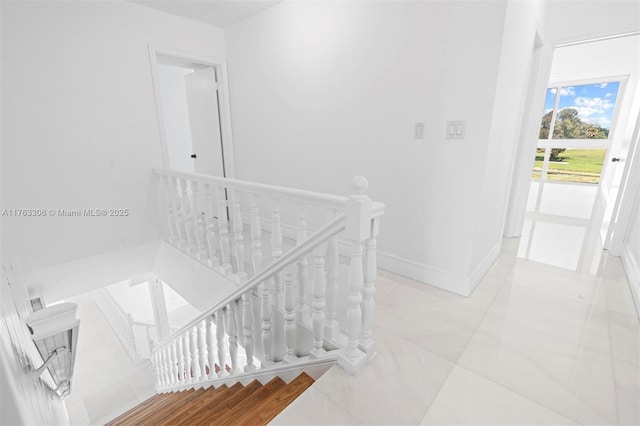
575 165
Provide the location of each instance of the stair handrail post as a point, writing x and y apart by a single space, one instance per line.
357 230
368 290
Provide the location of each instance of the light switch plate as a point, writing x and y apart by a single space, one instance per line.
455 129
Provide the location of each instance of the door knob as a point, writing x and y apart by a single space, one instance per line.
615 159
193 156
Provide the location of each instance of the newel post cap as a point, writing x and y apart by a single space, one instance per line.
359 184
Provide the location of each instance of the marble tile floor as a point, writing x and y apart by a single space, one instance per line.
534 344
106 382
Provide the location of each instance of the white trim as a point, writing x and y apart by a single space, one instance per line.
632 269
224 105
483 267
453 282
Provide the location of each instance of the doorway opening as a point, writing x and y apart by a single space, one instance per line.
193 113
590 111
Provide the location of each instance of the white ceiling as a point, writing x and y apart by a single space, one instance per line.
221 13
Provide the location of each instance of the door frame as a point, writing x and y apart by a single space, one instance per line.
514 220
224 106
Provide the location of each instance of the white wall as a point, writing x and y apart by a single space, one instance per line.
321 92
176 116
523 20
24 400
79 121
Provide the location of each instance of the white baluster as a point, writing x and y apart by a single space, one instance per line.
171 234
233 337
157 368
332 328
188 360
248 331
289 317
266 324
302 310
182 378
357 230
183 192
319 287
166 363
238 238
174 196
195 354
276 250
161 369
256 236
175 375
368 291
222 362
202 348
223 232
210 226
198 222
211 345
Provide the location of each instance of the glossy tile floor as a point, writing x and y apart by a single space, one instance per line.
534 344
562 226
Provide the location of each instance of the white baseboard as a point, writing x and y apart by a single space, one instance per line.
483 267
632 269
453 282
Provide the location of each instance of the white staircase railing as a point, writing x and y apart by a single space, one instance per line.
125 327
285 313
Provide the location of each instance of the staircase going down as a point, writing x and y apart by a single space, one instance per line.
254 404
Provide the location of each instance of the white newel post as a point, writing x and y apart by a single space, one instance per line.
357 230
289 316
302 310
369 290
318 304
223 232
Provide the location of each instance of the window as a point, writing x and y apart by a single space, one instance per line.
574 132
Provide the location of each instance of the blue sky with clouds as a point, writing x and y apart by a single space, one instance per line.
594 102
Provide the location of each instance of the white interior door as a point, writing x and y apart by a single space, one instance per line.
202 101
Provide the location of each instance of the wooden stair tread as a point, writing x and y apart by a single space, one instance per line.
142 410
246 408
254 404
204 412
281 399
